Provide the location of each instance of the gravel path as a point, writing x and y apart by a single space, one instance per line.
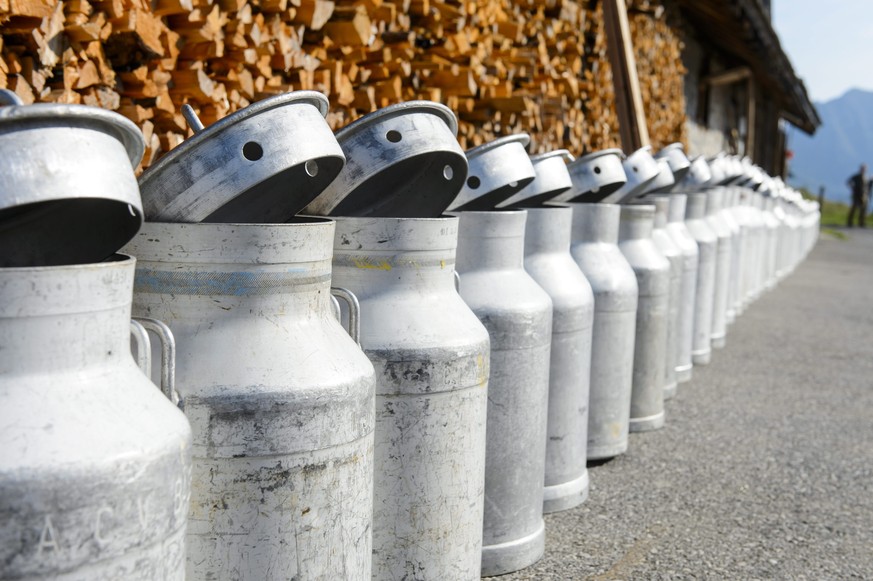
765 468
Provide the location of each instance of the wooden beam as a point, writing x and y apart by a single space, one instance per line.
629 101
728 77
751 115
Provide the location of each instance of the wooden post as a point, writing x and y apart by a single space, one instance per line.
628 98
752 87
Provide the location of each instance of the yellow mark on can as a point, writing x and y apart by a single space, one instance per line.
364 263
442 264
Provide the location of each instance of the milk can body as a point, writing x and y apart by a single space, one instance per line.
280 398
757 244
715 221
431 357
744 251
671 251
772 228
653 280
594 247
682 237
707 242
727 216
518 316
96 487
547 259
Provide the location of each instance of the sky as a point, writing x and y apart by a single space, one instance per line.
830 44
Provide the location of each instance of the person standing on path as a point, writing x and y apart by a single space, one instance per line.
858 184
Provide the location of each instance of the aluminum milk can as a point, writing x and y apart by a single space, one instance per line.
772 226
594 247
727 216
518 316
714 202
95 483
671 251
682 238
547 259
280 398
431 357
756 224
707 243
741 257
653 280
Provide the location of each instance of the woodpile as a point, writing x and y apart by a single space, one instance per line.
503 66
658 52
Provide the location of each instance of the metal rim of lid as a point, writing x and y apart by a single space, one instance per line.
314 98
582 159
121 127
664 151
397 109
522 138
568 157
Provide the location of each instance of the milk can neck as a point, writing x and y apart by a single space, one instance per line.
637 222
695 208
714 201
677 207
595 223
662 210
491 240
73 318
548 230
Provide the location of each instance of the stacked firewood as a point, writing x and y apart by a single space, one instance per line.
658 51
503 66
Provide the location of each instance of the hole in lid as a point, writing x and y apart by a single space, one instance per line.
473 182
253 151
635 169
311 168
596 169
448 173
393 136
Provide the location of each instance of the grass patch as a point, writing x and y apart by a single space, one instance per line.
833 213
838 234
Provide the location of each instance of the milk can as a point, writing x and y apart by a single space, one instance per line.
547 259
594 247
280 398
641 170
682 238
96 462
653 280
715 221
741 256
772 228
671 251
707 243
431 357
727 216
518 316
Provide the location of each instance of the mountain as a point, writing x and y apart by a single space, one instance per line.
841 144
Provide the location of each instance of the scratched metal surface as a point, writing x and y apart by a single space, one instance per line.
764 469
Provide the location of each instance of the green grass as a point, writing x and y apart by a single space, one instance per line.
833 213
838 234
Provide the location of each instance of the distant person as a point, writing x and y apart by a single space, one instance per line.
859 186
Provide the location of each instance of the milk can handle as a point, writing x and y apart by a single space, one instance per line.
354 311
7 97
457 280
143 346
168 355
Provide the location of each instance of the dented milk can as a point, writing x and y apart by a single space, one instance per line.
715 221
431 357
707 243
594 247
547 259
280 398
682 237
518 316
653 280
671 251
94 483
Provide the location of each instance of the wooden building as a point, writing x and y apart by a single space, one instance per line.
709 73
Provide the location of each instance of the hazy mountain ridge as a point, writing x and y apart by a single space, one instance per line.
841 144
